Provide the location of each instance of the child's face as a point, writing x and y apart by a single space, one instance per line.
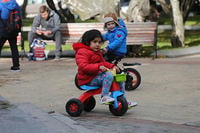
110 25
95 44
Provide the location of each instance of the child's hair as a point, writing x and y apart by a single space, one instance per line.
90 35
110 17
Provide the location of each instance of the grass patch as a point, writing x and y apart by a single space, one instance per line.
164 43
194 20
191 39
64 47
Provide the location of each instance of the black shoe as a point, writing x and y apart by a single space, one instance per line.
16 69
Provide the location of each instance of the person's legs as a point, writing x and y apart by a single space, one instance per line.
109 57
107 78
14 50
2 41
31 37
58 39
103 80
122 87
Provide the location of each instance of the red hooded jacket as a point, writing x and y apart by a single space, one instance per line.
88 62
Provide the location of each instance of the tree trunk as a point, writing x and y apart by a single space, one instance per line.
138 10
178 30
23 8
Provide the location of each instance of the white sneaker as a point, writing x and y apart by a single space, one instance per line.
106 99
131 104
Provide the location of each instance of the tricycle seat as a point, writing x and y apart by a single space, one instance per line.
87 87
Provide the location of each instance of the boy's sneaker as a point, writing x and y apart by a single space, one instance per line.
131 104
15 69
106 99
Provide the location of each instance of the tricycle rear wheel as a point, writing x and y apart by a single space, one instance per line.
74 107
89 104
133 79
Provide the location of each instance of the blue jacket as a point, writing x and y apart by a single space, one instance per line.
5 7
117 39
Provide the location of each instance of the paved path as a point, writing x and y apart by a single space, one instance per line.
169 92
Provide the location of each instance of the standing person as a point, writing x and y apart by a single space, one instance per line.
92 68
116 36
46 25
6 6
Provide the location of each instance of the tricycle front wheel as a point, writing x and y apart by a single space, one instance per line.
122 107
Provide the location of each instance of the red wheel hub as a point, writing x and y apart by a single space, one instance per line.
73 107
119 106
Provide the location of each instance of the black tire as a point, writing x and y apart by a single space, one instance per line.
133 79
74 107
89 104
122 109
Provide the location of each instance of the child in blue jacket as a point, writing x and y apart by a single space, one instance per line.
116 36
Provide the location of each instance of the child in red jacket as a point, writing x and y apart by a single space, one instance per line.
92 68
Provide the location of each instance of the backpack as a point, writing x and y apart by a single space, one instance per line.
37 49
14 22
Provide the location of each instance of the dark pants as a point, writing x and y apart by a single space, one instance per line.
56 37
13 45
110 57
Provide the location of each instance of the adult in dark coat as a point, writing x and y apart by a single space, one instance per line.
5 7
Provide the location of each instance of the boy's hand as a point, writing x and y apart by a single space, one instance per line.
103 68
104 50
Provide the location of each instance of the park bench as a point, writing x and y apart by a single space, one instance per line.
138 33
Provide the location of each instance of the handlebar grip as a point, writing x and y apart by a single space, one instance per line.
131 64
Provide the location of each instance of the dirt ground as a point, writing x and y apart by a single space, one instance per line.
169 91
